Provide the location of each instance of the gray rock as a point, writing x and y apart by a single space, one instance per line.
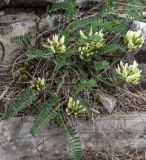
19 24
108 102
16 25
11 50
12 25
35 3
48 22
18 16
4 2
121 133
30 3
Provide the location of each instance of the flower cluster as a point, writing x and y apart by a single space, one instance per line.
90 44
74 107
134 40
130 73
85 51
38 84
56 45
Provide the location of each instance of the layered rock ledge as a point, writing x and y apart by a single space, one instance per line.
121 133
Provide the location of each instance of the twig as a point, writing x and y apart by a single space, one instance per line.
53 76
3 93
95 111
61 84
127 4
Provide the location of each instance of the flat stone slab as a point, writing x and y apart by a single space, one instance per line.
117 132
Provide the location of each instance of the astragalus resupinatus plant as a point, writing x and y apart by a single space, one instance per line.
74 58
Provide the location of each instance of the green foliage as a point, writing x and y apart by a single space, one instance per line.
80 23
47 113
74 141
110 48
122 27
132 8
35 53
110 3
23 39
135 2
86 84
69 6
101 65
59 120
64 60
24 100
89 113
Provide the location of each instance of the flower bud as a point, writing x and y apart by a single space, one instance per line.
74 108
38 84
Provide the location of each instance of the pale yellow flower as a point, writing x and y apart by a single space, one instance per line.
130 73
38 84
56 45
134 40
74 108
85 51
